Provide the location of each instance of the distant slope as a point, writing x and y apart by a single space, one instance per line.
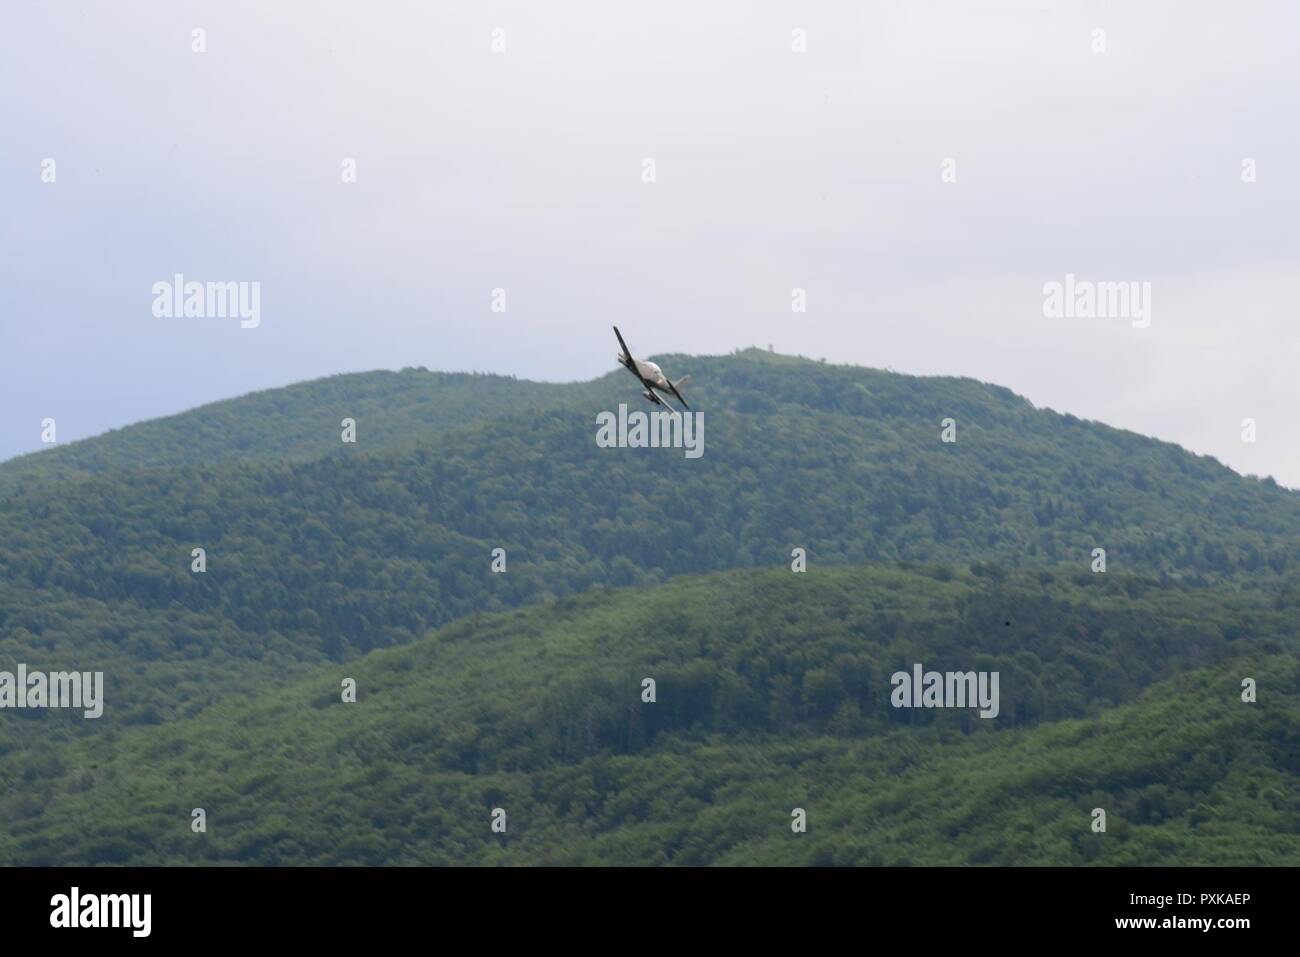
321 552
372 544
772 693
295 423
301 422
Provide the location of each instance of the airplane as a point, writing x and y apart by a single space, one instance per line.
651 376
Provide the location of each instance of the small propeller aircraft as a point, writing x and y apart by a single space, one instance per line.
651 376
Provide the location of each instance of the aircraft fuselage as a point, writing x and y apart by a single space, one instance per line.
650 373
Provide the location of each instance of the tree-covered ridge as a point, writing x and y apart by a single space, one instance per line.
294 423
322 553
365 548
300 422
772 693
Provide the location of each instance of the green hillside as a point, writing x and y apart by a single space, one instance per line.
326 559
369 547
295 423
772 693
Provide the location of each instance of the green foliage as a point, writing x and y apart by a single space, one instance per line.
772 693
368 546
328 560
297 423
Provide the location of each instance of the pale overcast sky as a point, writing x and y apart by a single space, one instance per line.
523 169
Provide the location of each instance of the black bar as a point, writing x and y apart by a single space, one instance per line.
331 907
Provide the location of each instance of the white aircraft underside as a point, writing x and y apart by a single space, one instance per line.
652 378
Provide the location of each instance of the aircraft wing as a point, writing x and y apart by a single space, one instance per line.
626 351
666 404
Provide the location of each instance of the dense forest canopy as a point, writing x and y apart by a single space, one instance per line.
372 560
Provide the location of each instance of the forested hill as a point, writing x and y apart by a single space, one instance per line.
371 544
301 422
322 556
772 692
294 423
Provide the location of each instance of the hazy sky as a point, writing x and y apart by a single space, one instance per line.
523 170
